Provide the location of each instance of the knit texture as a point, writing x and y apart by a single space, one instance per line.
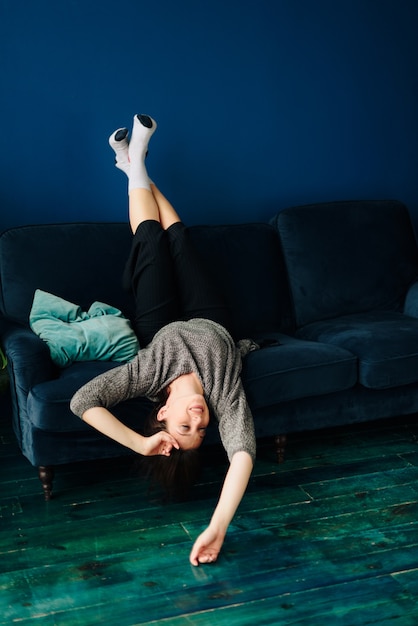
199 346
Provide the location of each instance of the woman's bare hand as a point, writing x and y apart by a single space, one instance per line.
160 443
207 546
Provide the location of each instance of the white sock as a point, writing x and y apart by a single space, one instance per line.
118 141
142 130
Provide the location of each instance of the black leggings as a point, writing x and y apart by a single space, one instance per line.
168 281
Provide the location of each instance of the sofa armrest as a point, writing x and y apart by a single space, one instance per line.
28 357
411 301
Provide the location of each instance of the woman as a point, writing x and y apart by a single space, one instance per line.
188 360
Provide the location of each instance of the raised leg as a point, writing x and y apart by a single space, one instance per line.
46 476
280 441
145 200
150 273
200 297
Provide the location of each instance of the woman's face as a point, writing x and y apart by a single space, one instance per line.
186 419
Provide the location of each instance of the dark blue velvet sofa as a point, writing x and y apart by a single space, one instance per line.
330 290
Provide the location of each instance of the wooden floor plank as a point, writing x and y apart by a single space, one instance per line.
288 566
331 536
182 519
374 601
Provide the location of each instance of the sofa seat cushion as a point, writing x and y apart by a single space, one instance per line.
296 369
385 342
49 402
292 369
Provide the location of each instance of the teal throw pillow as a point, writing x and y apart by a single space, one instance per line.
100 334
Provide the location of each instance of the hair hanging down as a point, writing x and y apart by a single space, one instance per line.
177 473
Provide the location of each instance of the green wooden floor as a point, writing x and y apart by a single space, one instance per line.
330 537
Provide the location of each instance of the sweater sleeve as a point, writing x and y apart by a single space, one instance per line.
108 389
236 424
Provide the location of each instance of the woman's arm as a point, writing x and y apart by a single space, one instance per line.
208 545
105 422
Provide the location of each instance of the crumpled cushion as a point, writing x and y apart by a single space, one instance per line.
100 334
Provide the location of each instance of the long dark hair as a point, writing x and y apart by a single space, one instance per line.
175 474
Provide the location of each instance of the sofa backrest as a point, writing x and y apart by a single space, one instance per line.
83 262
347 257
80 262
247 263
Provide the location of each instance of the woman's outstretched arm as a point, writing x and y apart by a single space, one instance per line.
208 545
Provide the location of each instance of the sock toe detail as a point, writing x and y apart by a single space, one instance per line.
145 120
121 134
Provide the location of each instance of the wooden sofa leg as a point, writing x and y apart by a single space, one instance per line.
280 441
46 476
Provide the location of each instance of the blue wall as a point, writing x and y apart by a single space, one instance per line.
260 104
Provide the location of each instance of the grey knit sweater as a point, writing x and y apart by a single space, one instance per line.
200 346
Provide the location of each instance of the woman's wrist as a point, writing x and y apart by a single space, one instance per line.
139 445
218 522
